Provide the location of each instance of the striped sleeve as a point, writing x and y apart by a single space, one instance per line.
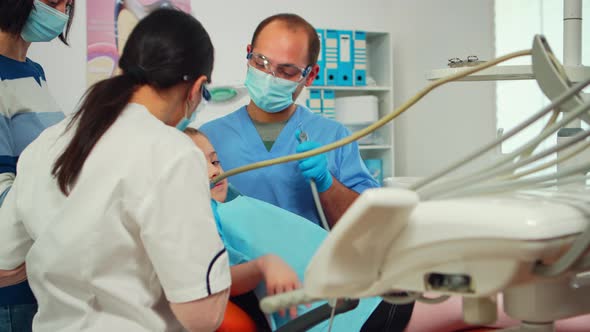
7 157
26 109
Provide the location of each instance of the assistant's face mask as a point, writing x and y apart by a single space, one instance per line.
271 94
186 120
44 23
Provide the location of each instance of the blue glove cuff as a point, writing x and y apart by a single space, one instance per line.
324 182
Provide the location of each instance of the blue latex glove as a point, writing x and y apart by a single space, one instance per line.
316 167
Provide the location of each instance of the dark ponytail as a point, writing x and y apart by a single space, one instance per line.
157 53
102 105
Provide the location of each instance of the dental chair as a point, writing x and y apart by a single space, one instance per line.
473 247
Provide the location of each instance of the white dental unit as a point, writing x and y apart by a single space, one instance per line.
505 230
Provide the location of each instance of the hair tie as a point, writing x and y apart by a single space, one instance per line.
138 74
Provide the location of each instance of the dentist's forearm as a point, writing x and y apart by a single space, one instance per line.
336 200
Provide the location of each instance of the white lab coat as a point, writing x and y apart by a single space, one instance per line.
135 232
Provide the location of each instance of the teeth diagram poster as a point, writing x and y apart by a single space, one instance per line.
109 23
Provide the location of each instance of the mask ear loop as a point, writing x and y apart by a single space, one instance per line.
205 98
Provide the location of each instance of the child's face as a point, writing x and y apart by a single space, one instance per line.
219 192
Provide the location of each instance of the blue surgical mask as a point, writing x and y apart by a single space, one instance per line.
186 120
270 93
44 23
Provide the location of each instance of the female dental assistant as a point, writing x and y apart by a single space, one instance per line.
26 109
111 207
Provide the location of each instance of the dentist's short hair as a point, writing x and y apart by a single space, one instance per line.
294 21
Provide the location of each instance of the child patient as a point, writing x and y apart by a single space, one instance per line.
270 244
246 274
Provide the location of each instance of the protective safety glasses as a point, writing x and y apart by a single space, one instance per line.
286 71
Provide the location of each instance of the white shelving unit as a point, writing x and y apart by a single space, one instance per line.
379 70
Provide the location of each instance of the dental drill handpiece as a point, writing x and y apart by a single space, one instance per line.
302 137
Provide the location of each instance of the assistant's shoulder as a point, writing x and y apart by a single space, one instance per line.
160 149
54 132
167 140
148 135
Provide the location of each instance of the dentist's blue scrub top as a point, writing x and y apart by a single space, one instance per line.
238 143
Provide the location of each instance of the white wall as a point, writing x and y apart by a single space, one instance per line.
439 129
456 118
231 30
230 25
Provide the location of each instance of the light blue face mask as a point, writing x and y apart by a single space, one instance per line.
185 121
44 23
270 93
